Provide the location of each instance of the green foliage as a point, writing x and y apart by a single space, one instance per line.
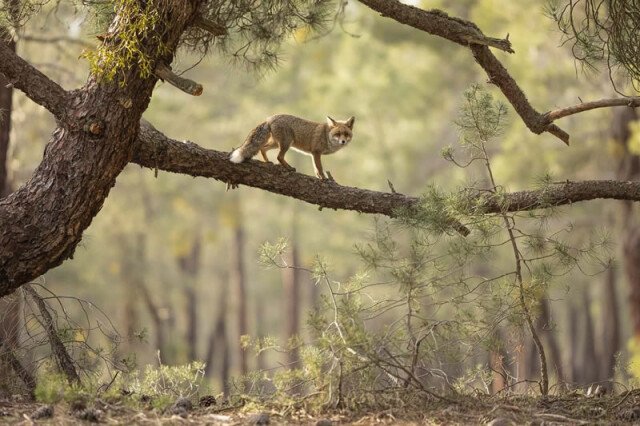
601 32
113 59
255 31
164 384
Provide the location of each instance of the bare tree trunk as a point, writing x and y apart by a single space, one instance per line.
9 305
291 284
130 282
156 317
238 282
574 351
219 343
6 107
589 356
496 363
546 326
190 267
610 340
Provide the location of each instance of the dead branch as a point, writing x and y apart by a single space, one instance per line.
65 363
469 35
633 102
163 71
209 26
54 39
10 358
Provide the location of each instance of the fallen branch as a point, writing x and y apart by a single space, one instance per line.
65 363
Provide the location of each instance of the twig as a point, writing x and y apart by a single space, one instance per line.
586 106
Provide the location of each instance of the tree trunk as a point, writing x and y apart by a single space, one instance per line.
131 267
9 305
238 282
545 325
291 284
6 107
97 127
610 327
190 267
589 355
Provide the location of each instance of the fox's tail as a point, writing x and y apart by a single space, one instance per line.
252 144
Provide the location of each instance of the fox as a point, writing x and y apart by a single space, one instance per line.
288 131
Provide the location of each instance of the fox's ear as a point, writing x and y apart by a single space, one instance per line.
350 122
331 122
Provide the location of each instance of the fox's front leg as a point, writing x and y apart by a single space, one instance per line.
317 165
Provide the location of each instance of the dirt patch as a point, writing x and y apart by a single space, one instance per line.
573 409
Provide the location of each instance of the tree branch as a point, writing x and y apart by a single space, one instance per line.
469 35
210 26
190 87
37 86
155 150
438 23
633 102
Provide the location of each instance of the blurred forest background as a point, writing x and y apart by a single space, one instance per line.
174 263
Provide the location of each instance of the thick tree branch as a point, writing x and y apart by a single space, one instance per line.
633 102
42 222
155 150
438 23
37 86
468 34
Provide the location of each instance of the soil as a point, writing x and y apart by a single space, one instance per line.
571 409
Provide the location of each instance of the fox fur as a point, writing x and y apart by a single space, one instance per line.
287 131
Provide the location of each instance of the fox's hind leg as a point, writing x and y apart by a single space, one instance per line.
284 139
283 150
271 144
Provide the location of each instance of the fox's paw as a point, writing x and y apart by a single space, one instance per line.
288 167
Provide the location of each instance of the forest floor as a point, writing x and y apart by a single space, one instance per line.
572 409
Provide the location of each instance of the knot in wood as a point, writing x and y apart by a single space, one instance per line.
95 128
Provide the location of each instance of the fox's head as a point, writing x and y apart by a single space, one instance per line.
340 132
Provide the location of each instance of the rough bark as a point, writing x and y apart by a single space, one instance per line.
6 104
42 222
155 150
